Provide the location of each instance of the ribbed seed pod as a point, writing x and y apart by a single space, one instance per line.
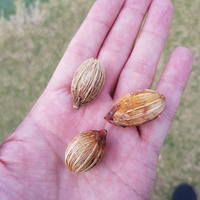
136 108
87 82
85 150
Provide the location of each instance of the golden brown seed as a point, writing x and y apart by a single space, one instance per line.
85 150
87 82
136 108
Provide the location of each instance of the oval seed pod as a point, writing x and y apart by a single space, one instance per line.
136 108
87 82
85 150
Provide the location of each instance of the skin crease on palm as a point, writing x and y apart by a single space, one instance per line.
32 158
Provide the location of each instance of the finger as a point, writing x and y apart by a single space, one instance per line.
119 43
87 41
140 69
171 84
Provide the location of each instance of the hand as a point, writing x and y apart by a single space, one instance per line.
32 158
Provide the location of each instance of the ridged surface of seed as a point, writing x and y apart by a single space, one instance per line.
136 108
87 82
85 151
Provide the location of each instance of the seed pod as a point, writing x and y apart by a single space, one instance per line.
87 82
85 150
136 108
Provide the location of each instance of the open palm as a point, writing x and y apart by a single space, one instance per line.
32 158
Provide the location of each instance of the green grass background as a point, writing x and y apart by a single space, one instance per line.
8 6
34 37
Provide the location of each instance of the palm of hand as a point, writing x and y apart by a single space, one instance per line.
125 170
32 159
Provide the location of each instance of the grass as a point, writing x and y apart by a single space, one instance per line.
8 6
32 43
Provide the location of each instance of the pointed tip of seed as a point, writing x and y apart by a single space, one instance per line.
103 132
102 135
76 107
